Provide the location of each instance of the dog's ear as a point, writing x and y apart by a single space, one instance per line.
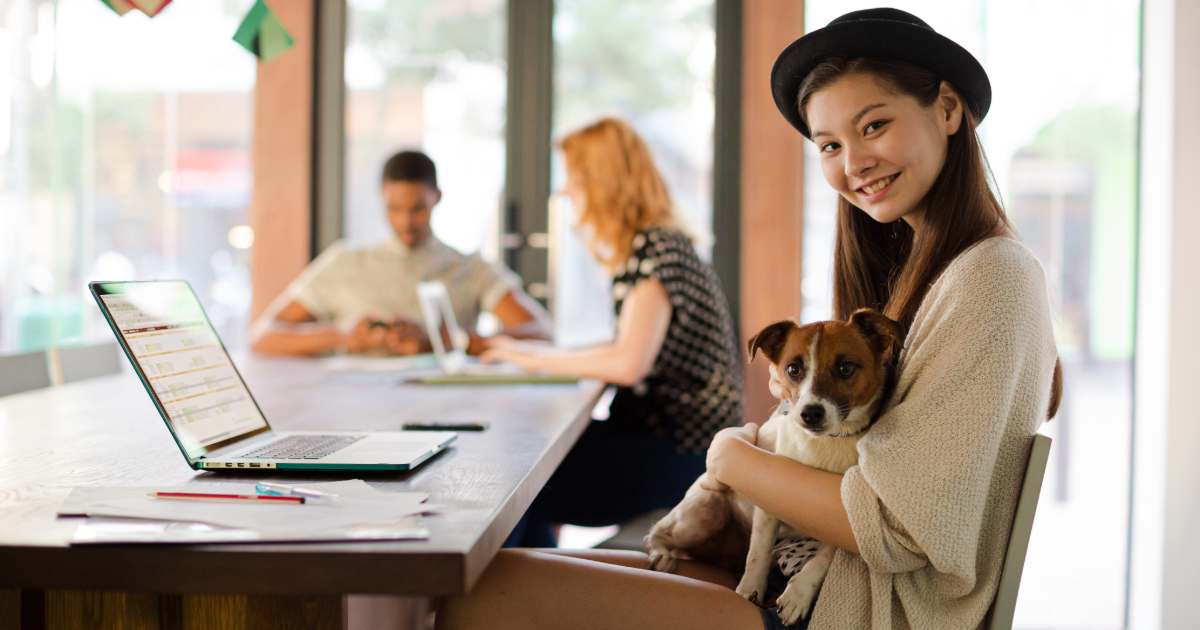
879 331
771 339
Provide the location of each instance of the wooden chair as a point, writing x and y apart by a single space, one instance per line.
1000 616
23 372
80 362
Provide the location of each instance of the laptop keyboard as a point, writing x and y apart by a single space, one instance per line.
303 447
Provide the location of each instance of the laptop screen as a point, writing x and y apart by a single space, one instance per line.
182 362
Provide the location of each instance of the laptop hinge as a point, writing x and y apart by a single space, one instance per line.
242 444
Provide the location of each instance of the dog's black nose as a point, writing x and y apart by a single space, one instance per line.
812 414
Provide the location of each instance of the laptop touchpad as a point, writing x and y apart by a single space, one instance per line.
397 448
382 452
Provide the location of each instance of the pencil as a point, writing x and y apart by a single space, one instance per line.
224 498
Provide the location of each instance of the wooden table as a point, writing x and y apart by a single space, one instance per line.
105 432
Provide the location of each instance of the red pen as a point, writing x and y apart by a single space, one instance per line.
224 498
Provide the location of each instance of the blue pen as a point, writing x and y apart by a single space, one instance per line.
285 490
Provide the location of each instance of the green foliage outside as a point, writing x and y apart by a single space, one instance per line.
1106 139
399 33
624 56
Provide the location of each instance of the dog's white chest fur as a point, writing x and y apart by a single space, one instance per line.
782 435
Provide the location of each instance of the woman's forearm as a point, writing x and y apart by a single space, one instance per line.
804 497
532 330
626 361
605 362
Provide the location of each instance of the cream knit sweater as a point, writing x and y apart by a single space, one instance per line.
932 498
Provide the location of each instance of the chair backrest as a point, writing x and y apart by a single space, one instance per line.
1000 616
23 372
80 362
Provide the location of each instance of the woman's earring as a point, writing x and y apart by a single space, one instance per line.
896 229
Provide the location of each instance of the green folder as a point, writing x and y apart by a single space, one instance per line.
498 379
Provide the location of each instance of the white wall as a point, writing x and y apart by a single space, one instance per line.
1165 576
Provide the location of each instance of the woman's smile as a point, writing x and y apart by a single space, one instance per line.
876 189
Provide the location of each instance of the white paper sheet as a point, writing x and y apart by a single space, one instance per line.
109 530
360 505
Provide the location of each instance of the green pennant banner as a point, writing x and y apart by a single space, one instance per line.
262 34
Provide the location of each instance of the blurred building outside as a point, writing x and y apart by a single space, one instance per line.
119 163
428 75
649 63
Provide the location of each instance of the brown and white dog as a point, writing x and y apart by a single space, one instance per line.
836 378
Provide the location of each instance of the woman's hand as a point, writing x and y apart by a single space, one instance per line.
728 447
508 350
776 385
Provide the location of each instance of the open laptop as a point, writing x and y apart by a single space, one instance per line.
437 311
442 325
199 393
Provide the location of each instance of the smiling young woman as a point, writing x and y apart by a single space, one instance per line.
921 523
905 128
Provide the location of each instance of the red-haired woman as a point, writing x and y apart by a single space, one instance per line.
675 361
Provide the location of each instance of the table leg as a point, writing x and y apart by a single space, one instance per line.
34 609
85 610
263 612
10 610
100 609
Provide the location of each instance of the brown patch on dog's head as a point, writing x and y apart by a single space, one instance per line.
837 375
771 339
881 333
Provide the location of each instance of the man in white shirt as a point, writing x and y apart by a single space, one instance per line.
357 300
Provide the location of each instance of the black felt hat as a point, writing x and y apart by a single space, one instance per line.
885 34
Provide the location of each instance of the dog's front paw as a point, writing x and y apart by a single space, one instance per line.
795 602
663 561
661 558
756 593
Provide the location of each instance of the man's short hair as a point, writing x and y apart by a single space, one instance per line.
410 166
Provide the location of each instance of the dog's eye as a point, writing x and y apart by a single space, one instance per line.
846 370
793 370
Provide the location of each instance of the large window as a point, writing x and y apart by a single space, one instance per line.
649 63
427 75
1061 139
124 154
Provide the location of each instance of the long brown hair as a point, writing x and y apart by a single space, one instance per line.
625 193
889 267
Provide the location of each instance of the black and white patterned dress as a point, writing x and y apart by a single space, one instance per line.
695 386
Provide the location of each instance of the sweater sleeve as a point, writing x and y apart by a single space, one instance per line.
918 494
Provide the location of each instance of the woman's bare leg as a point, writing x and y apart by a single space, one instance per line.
639 560
533 589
